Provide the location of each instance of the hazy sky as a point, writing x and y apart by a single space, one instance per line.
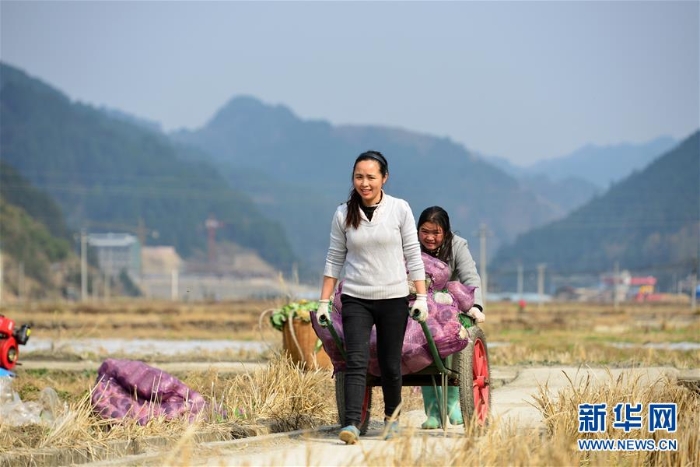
523 80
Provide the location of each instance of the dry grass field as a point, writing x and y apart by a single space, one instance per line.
566 333
282 397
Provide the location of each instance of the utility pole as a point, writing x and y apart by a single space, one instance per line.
295 278
83 266
108 272
616 278
141 232
540 283
693 291
212 224
483 232
520 280
694 286
174 285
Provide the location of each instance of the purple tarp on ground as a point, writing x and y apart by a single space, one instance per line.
132 389
447 332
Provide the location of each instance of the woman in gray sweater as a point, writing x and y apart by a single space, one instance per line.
373 237
437 239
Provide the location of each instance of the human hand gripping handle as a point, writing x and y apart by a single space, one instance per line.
419 309
476 314
322 314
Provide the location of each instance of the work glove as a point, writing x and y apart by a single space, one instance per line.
322 313
419 309
476 314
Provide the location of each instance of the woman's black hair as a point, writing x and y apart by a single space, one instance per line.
439 216
354 200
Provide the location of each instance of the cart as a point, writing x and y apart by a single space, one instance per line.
468 369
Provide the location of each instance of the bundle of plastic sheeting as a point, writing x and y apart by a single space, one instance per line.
445 301
132 389
16 412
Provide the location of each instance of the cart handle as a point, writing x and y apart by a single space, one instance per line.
326 323
433 349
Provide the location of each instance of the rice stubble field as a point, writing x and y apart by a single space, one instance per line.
277 396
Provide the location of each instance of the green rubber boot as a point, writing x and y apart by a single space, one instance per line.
454 410
432 408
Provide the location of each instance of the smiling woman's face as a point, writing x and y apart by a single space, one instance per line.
431 236
368 181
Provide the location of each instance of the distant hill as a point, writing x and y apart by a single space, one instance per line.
28 251
603 165
571 180
17 191
564 195
300 170
111 174
33 238
648 222
127 117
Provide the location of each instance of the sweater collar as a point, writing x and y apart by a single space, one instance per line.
382 198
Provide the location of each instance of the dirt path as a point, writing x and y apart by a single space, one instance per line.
512 400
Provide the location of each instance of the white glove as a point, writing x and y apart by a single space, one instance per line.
476 314
419 309
322 314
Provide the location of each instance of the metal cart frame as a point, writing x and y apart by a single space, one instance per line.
468 369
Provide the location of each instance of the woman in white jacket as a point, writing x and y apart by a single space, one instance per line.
373 236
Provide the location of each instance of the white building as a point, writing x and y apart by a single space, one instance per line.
117 252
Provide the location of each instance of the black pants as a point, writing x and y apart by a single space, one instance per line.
390 317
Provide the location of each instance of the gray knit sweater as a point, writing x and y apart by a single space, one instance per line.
463 268
377 253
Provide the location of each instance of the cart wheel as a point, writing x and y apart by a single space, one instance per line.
340 401
474 384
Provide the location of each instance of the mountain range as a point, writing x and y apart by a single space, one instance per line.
108 174
299 171
275 179
599 166
571 180
649 222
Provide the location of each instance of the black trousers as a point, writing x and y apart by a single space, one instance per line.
390 317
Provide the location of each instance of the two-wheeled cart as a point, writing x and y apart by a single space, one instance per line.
468 369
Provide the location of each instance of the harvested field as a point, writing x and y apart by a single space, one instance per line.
280 397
